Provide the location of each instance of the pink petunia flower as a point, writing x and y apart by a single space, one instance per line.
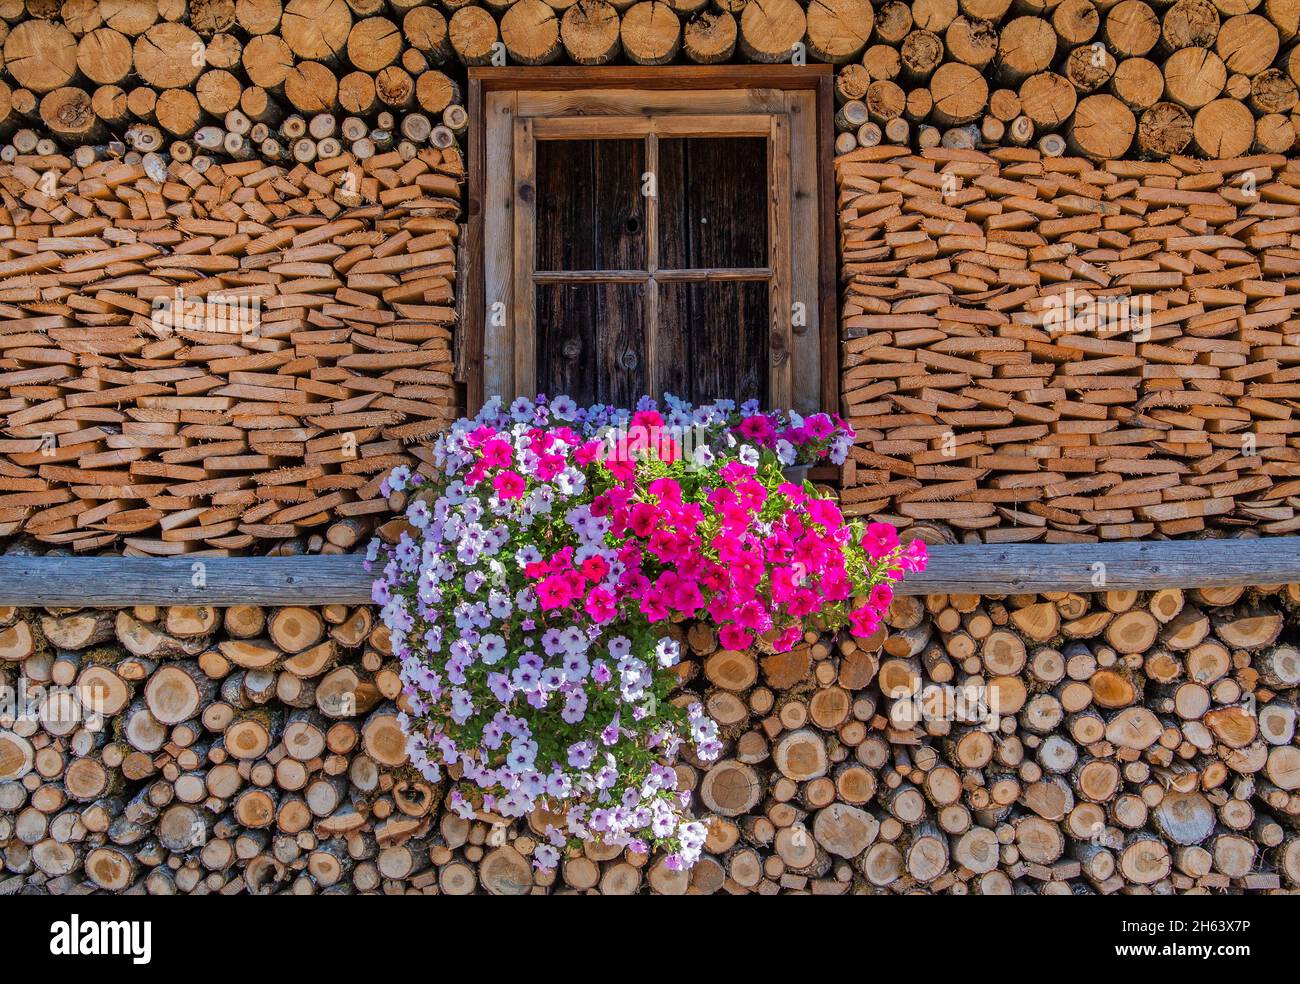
497 453
758 429
915 557
734 637
553 592
819 426
881 596
508 485
879 540
594 569
863 621
600 604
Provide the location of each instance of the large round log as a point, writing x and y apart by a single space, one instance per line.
1190 23
316 30
1076 21
936 15
1026 45
473 32
310 87
1137 83
838 30
1131 28
41 55
1248 44
589 31
373 43
1274 134
1223 128
710 37
1047 99
1271 91
67 113
1194 77
770 29
258 16
960 93
531 32
1102 127
104 56
730 788
267 60
972 42
165 56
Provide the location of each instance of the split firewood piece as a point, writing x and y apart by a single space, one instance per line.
177 692
190 620
730 788
78 630
143 639
295 629
383 739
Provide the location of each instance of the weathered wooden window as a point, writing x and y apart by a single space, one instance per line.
650 231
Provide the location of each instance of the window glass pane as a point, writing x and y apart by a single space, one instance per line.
712 202
712 340
591 342
590 210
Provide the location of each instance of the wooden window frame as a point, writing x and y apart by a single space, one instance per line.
749 100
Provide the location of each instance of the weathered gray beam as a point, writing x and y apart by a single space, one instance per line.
108 582
979 569
1140 566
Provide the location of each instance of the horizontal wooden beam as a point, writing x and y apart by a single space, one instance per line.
111 582
1141 565
66 582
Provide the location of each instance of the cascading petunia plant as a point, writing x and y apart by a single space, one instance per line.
550 548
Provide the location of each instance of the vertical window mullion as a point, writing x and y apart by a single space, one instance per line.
524 301
652 265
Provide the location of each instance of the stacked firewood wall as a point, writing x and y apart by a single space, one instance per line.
1099 77
1040 348
218 360
240 750
226 80
1053 744
308 79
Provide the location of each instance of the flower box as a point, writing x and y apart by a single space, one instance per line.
555 547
